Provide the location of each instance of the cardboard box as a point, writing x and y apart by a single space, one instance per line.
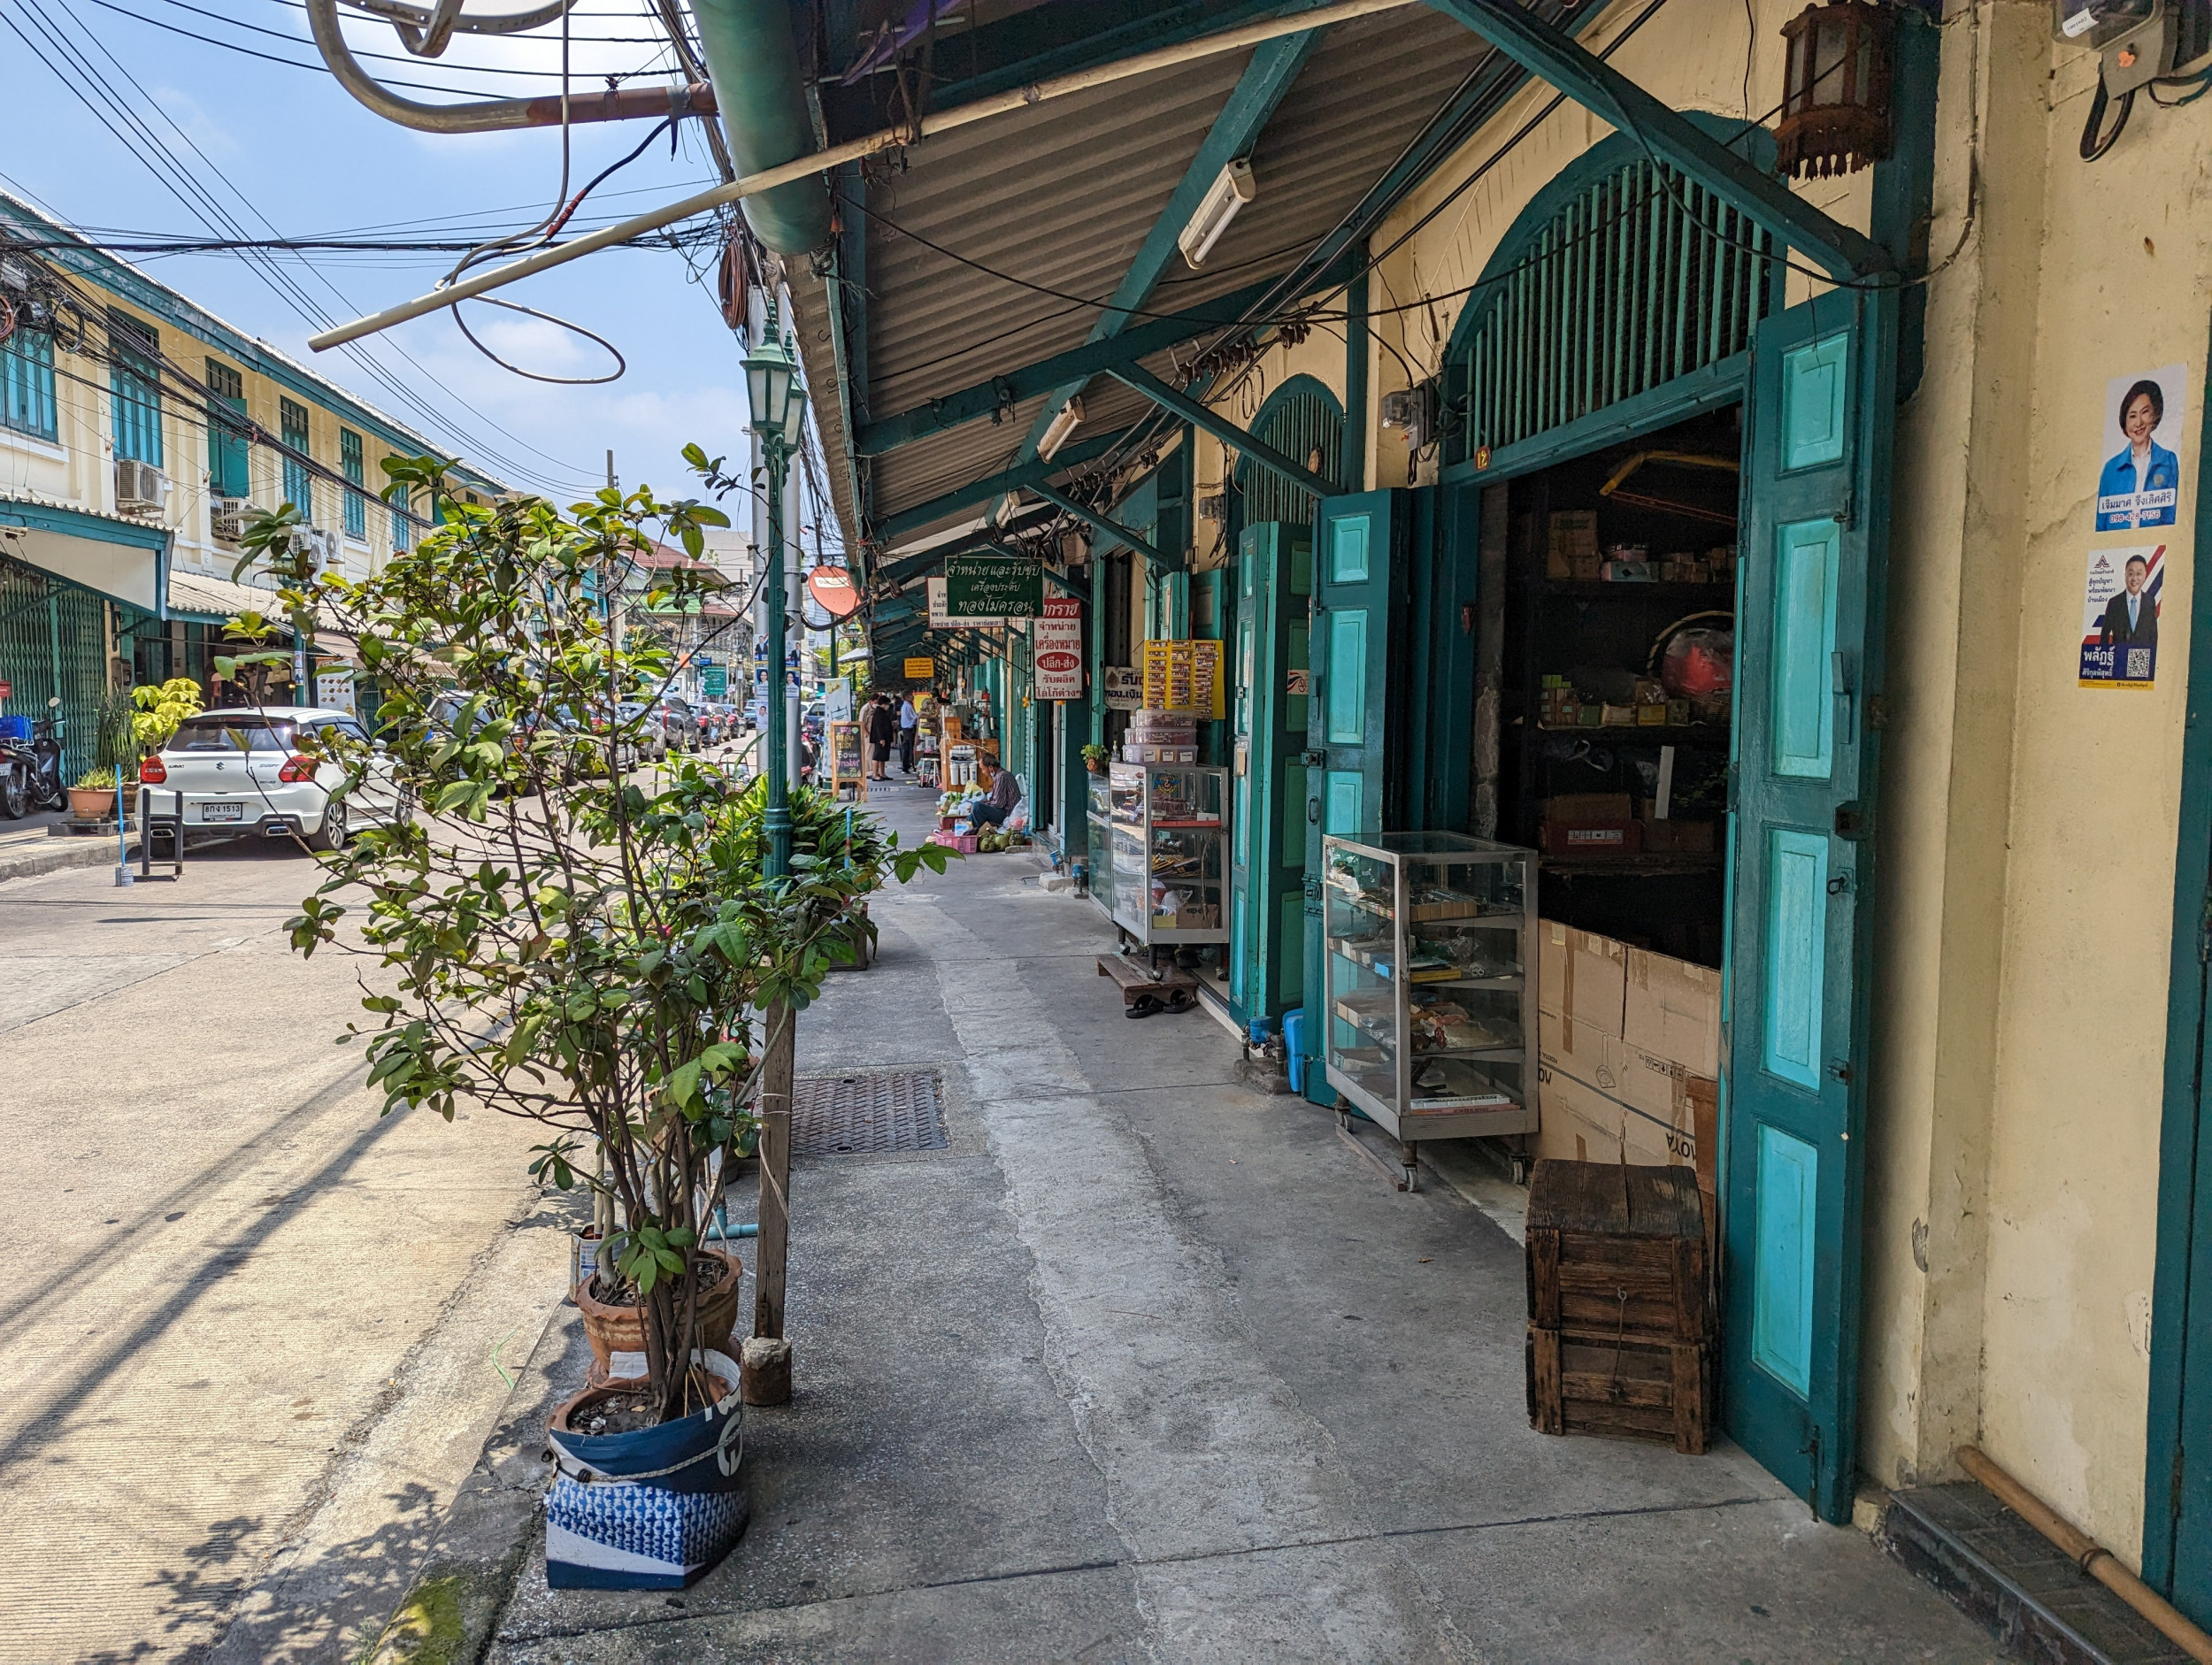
1593 840
1672 1008
1584 568
1573 538
1581 975
1678 838
1577 1120
1588 805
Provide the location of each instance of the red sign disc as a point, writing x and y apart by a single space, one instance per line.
832 586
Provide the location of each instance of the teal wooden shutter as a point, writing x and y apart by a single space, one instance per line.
350 464
227 473
26 383
299 481
134 381
1358 616
1809 635
1268 846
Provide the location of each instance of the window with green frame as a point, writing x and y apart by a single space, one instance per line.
350 462
299 484
134 379
26 384
400 536
228 472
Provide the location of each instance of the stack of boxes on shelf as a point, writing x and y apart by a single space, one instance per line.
1628 1054
1161 737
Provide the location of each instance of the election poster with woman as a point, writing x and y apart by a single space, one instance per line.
2140 484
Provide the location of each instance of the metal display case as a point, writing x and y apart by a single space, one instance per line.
1447 1049
1168 842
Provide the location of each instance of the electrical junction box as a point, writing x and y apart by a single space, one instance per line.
2135 36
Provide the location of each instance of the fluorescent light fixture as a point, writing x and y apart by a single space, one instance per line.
1233 190
1008 506
1070 418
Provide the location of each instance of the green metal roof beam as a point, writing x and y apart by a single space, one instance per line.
1110 528
1555 57
1075 366
1227 431
1024 477
1274 66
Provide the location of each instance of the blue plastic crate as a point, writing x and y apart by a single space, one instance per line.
15 728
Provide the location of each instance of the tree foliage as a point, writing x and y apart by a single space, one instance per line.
553 940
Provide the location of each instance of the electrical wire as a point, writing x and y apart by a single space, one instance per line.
90 86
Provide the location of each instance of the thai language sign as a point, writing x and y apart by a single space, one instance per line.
1057 639
993 586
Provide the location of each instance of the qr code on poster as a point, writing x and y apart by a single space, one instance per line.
2139 667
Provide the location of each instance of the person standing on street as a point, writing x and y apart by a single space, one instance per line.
879 727
909 719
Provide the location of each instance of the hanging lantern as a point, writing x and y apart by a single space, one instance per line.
1835 89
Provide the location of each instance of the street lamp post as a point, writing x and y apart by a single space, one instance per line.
779 403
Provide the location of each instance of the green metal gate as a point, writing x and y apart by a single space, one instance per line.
53 640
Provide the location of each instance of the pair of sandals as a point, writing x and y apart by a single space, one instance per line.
1177 1000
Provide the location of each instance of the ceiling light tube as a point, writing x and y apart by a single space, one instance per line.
1070 418
1231 191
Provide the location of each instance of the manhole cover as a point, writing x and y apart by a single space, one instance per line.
844 1116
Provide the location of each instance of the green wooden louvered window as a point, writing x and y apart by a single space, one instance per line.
299 481
134 380
1303 421
1620 277
228 467
26 383
350 464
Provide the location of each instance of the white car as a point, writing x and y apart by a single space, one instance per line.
243 772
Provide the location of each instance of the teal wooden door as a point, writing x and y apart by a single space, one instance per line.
1809 644
1359 616
1274 577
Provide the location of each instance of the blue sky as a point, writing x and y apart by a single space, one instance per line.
291 144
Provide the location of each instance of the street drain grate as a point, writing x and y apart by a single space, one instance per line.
850 1114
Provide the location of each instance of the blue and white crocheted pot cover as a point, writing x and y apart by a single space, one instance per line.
603 1535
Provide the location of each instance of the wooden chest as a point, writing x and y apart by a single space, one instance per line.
1620 1307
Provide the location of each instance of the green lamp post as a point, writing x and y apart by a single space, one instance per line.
778 406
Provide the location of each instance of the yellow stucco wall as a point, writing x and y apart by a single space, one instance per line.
2027 825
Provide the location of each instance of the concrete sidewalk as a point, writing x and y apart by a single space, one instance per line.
1146 1366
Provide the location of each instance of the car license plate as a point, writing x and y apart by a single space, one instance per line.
222 812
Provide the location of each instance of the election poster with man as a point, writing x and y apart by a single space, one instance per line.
2119 616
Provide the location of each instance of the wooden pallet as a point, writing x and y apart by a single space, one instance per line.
1170 989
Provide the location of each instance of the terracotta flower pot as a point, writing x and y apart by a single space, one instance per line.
92 803
612 1330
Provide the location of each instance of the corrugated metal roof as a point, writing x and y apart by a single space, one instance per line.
1062 195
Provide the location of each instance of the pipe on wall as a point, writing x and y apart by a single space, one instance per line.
492 115
753 59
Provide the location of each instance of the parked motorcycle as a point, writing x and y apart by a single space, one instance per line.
30 771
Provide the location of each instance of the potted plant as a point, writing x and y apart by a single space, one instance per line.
93 796
1095 757
597 953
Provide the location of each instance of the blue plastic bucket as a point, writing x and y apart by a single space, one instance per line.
1295 1046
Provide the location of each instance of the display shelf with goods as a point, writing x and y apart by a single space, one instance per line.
1447 1049
1098 816
1165 860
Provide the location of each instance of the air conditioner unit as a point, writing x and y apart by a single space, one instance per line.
227 517
320 545
139 487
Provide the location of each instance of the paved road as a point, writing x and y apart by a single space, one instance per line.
252 1333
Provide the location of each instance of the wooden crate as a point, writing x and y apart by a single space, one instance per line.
1621 1314
1619 1249
1581 1384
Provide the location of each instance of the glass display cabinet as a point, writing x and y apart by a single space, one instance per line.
1170 855
1099 869
1431 1003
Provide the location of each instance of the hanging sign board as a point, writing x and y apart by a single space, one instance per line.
334 688
837 699
1183 676
1124 686
988 588
2119 616
921 670
714 683
832 587
1058 639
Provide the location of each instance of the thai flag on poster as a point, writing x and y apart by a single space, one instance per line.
2119 616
